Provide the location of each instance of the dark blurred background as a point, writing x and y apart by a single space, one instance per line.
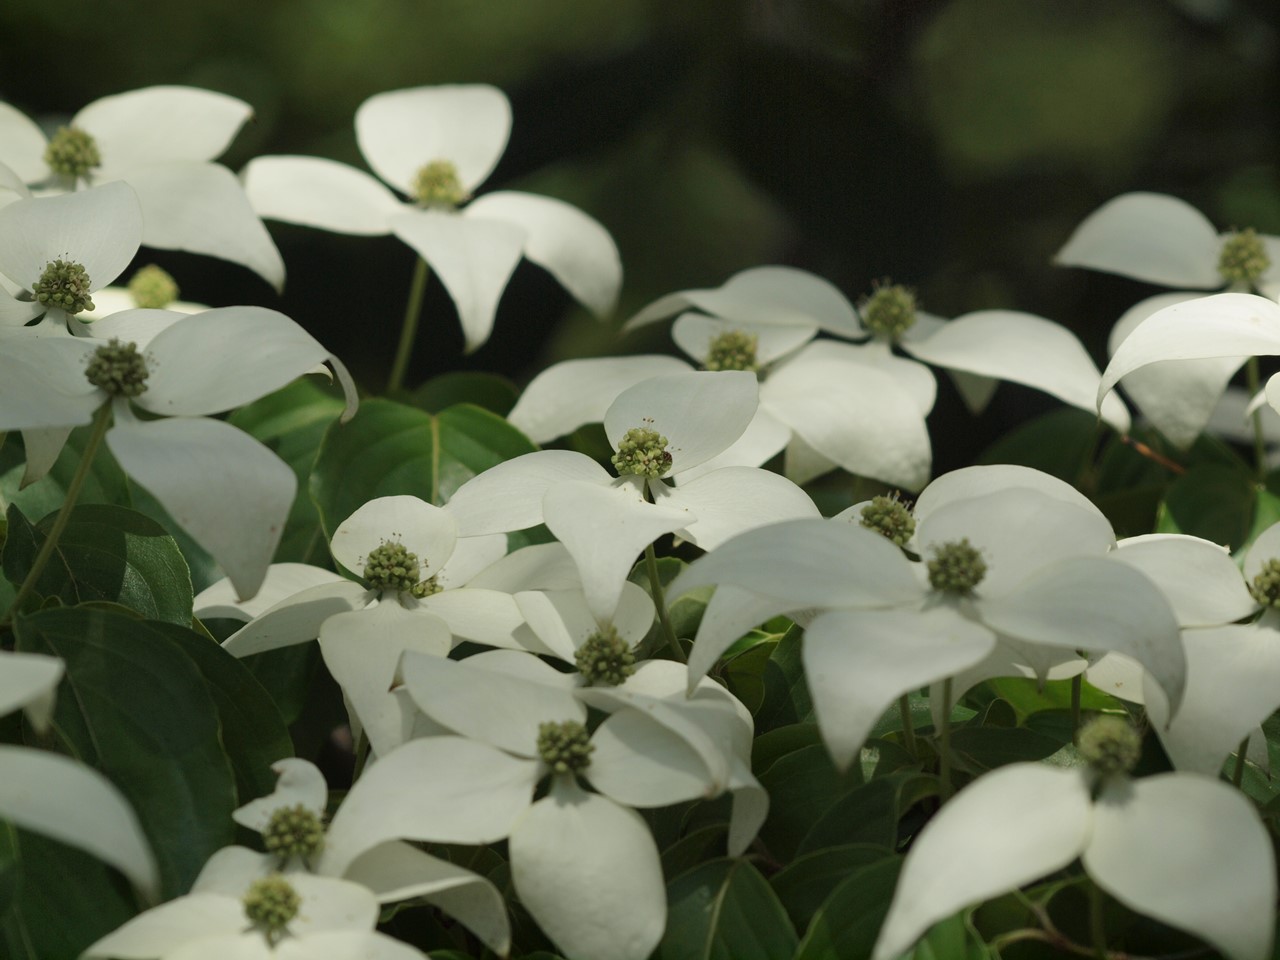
950 145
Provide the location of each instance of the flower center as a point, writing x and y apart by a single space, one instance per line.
890 311
64 284
436 184
1266 585
1110 744
153 288
391 566
642 452
732 350
270 904
1243 258
956 567
605 659
72 152
118 369
565 747
293 831
889 517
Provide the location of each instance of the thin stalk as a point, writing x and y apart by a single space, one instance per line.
1259 441
944 751
1237 772
660 601
908 728
361 756
101 420
1097 929
1076 684
409 327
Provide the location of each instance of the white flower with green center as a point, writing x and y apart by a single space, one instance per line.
436 145
1015 567
227 490
662 430
1024 821
161 141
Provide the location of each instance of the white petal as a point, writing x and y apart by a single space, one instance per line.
481 616
725 403
42 448
573 247
1265 547
331 904
29 680
567 395
473 258
471 556
588 871
509 496
297 618
299 783
315 192
1005 829
22 144
333 945
858 662
16 314
100 229
640 763
135 325
1200 580
167 927
45 388
730 613
539 566
732 500
1201 831
162 123
749 810
224 488
969 482
1021 348
423 529
444 789
1120 676
1147 236
764 438
284 581
911 375
1224 325
201 208
765 295
61 798
694 333
560 620
401 131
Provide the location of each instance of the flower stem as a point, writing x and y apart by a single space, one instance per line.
1076 684
101 420
1237 773
908 728
409 326
1259 441
944 751
660 601
1097 928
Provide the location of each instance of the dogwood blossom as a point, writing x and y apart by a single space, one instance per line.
436 145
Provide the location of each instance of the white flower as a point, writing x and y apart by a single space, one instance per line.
436 145
161 141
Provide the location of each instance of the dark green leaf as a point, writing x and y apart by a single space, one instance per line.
1210 501
705 843
1056 443
786 695
485 390
849 921
724 910
802 786
204 569
869 814
805 884
979 749
951 939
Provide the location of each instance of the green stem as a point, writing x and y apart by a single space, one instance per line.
361 755
944 751
409 327
660 601
1237 773
1076 684
1259 441
1097 929
908 728
101 420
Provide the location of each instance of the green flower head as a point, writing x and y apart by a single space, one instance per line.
293 832
64 284
956 567
605 659
1110 744
642 452
732 350
153 288
890 311
119 369
72 152
1266 585
436 184
270 904
889 517
1243 258
565 747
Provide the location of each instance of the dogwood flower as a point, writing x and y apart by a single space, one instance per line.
436 145
161 141
604 521
1024 821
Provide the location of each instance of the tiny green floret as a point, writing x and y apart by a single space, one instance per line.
605 659
643 453
565 747
65 285
1266 585
270 904
1110 744
118 368
889 517
436 184
391 566
153 288
72 152
293 832
1243 258
890 311
732 350
956 567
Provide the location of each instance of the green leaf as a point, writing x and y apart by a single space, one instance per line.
1027 697
686 853
1056 443
204 569
724 910
786 695
870 813
390 449
978 749
134 705
951 939
106 553
802 786
485 390
291 422
105 483
849 921
1211 501
804 885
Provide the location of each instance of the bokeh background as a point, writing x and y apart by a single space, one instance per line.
950 145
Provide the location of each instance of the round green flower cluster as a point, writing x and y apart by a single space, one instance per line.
293 832
890 311
119 369
732 350
72 152
436 184
565 747
889 517
64 284
642 452
605 658
956 567
1243 258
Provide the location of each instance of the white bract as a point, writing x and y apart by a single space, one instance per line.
436 145
161 141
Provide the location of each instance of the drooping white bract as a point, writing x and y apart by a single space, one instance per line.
219 484
332 919
57 796
1025 821
662 428
436 145
1044 588
161 141
392 869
